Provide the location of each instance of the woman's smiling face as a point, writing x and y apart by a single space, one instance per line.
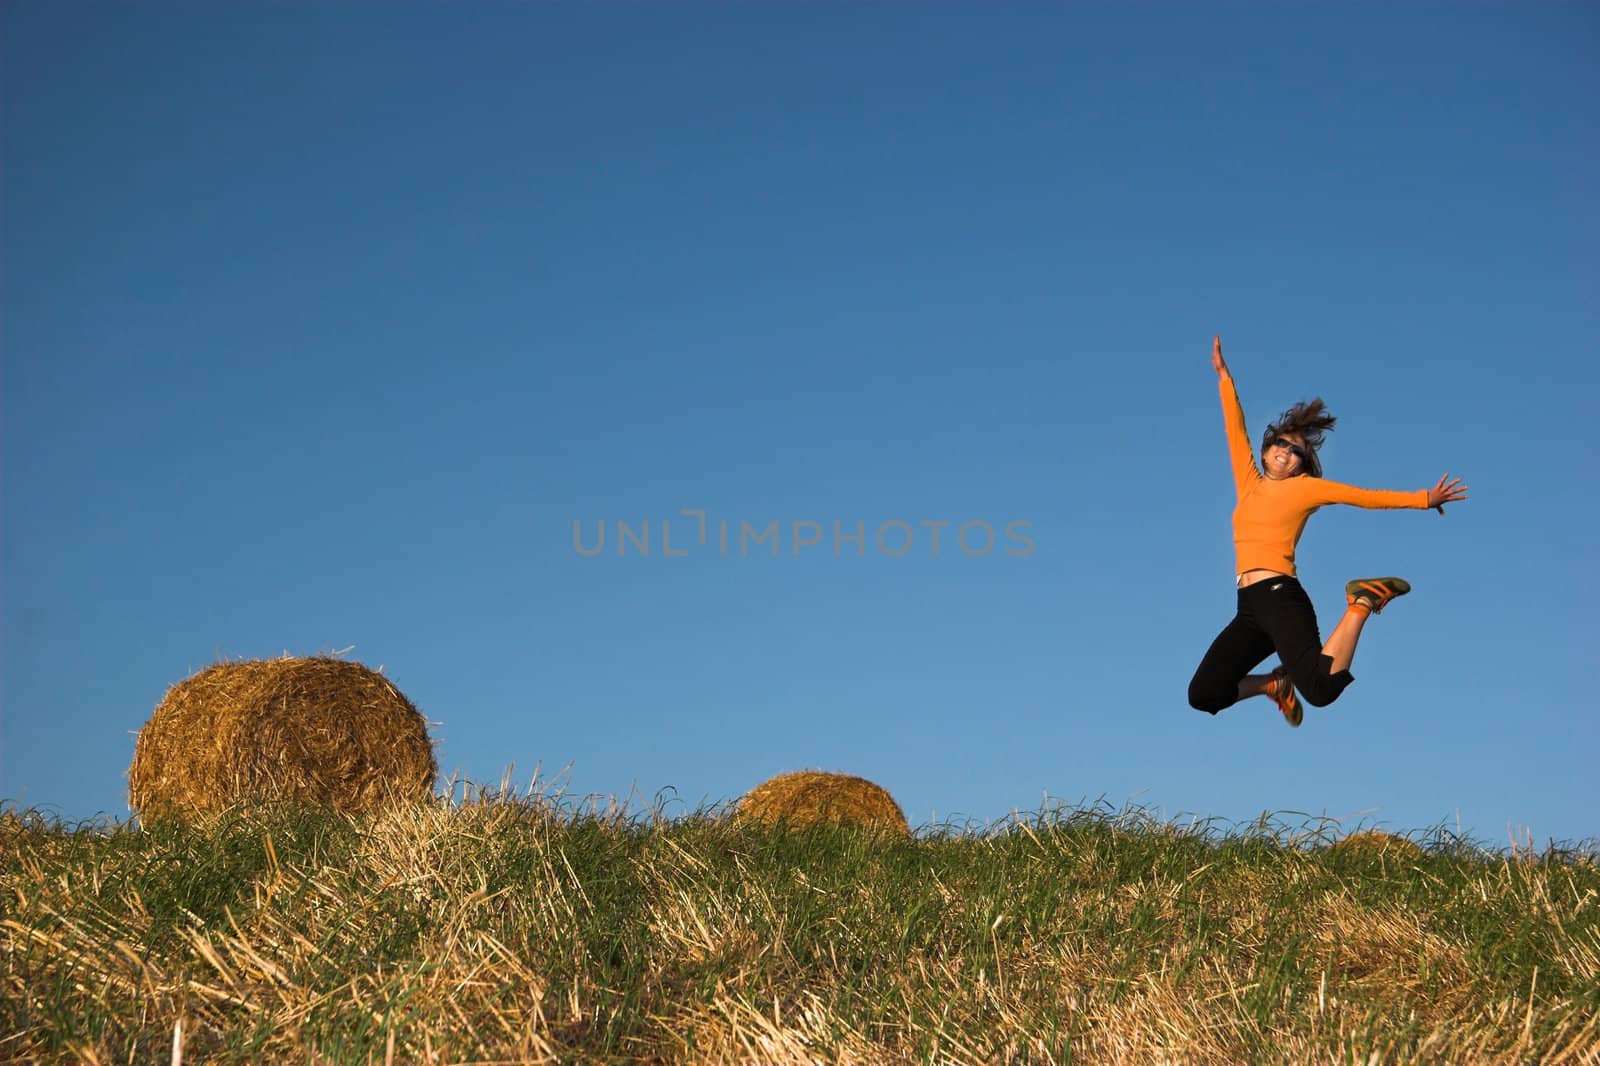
1282 457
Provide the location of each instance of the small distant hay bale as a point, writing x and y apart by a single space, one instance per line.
808 797
318 730
1375 842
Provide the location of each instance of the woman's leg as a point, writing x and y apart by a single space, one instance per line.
1223 677
1341 646
1286 612
1364 596
1254 685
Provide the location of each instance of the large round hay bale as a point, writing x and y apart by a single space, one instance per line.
808 797
318 730
1376 842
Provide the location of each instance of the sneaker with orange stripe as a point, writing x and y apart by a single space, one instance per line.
1282 693
1374 592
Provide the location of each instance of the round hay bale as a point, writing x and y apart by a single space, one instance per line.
808 797
1377 842
318 730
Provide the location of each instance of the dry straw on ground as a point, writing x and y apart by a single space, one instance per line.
317 729
1377 842
811 796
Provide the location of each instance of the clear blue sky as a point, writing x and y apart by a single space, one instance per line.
324 323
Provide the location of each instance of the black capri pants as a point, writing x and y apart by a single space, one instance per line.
1274 615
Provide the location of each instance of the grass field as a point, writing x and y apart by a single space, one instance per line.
522 928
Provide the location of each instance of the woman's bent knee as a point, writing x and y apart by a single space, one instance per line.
1211 699
1323 688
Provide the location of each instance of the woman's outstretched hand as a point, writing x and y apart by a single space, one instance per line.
1216 356
1448 490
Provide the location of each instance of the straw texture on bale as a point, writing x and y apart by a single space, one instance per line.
811 796
318 730
1377 842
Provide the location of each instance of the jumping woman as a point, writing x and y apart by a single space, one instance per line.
1274 612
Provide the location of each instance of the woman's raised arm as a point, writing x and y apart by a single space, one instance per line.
1241 457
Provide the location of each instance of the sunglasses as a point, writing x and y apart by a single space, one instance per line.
1281 442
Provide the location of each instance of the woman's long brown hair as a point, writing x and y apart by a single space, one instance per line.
1310 420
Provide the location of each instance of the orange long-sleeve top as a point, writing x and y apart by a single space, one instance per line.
1271 515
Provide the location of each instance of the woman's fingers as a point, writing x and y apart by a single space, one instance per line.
1448 490
1442 494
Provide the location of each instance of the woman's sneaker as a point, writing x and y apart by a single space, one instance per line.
1282 693
1373 592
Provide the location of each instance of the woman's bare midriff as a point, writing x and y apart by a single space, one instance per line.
1250 577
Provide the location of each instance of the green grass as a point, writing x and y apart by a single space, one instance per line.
521 928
